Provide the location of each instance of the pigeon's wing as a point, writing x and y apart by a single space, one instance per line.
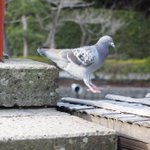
84 56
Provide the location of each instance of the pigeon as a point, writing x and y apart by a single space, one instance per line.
81 62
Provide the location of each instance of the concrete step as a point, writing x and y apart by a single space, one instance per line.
48 129
24 82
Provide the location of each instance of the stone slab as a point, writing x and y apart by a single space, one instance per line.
49 129
24 82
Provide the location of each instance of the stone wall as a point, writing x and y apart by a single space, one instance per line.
25 82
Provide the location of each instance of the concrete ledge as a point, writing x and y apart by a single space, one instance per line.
25 82
49 129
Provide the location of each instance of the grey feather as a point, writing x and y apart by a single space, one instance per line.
72 58
85 55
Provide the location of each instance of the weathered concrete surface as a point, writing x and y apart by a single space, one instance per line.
49 129
25 82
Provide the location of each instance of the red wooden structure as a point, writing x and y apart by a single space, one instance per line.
1 27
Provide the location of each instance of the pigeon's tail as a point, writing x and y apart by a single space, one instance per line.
49 53
41 51
53 55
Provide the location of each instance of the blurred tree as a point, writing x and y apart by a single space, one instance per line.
18 16
135 5
25 41
93 24
56 22
48 15
66 23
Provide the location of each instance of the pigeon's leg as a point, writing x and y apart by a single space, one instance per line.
90 88
87 81
95 87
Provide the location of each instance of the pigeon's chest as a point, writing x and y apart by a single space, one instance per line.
101 56
97 63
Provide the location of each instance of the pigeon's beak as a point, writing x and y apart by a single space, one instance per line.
112 44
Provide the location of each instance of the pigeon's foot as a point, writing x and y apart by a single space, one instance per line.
92 87
97 88
93 90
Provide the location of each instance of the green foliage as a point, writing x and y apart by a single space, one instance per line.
132 41
14 12
68 36
114 66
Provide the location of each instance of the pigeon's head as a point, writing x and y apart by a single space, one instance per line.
106 41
